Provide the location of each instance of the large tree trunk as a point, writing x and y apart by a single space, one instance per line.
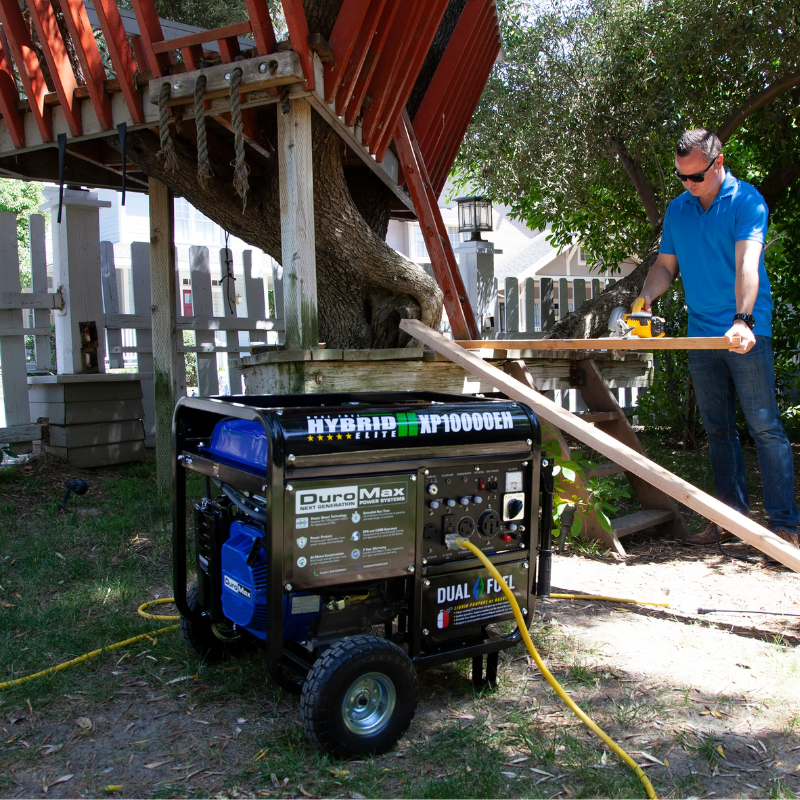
364 286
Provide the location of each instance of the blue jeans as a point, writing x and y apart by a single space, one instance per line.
718 377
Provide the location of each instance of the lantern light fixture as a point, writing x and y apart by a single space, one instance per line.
474 216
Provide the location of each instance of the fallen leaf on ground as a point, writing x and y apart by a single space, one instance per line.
112 787
156 764
83 722
509 774
721 751
339 773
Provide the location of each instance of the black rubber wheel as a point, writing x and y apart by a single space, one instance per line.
200 635
359 697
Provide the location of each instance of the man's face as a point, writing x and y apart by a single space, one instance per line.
695 163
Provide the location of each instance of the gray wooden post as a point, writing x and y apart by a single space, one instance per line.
76 267
548 312
108 272
297 226
41 317
530 305
203 307
169 370
140 274
578 292
563 298
512 305
12 347
595 288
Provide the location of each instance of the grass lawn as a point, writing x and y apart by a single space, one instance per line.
151 720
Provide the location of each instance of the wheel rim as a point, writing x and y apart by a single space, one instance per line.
369 703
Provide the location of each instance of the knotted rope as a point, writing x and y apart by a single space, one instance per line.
167 151
240 169
204 171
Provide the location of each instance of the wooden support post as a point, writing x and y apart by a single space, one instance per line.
140 275
230 310
169 370
12 348
633 461
41 317
297 226
76 268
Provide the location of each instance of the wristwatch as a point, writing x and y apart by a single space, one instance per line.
749 319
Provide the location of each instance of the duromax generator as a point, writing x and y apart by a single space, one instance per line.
324 523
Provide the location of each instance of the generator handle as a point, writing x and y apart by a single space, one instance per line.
546 532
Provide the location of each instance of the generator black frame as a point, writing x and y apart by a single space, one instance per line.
193 423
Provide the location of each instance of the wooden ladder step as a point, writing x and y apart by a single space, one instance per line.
633 523
605 470
600 416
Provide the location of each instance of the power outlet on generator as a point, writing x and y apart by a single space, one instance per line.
448 524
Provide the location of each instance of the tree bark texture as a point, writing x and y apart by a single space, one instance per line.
364 286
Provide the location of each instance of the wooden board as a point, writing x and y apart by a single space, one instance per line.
637 343
100 455
94 434
681 490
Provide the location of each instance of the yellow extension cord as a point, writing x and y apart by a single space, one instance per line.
109 648
567 700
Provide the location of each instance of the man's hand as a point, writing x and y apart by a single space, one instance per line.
747 338
647 302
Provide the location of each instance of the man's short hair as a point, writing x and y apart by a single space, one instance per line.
699 139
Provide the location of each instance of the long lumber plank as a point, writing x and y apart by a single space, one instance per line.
636 343
683 491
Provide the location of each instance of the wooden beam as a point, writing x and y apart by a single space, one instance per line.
352 68
665 343
405 27
364 78
298 255
679 489
456 302
239 29
228 48
410 66
27 61
55 54
150 31
298 34
449 72
342 41
89 58
9 95
261 22
169 369
120 53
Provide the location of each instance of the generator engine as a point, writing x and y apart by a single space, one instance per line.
321 539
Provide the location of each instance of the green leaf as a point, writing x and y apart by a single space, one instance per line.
577 525
605 522
568 473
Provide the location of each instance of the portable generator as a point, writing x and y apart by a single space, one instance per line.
321 539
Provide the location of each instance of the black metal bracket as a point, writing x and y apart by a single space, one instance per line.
577 376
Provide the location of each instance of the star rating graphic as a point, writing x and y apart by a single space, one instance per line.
310 438
349 435
338 435
319 438
330 437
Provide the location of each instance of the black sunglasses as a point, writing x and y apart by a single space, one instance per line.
698 177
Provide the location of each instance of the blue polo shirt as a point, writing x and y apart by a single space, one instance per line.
704 242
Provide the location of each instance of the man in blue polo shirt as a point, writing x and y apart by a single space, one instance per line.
715 233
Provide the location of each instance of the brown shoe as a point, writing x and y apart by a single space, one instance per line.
788 536
709 535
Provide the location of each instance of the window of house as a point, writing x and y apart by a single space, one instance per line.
582 256
181 220
420 250
456 237
203 228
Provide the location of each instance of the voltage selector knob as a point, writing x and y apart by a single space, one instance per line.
514 507
464 501
435 504
477 499
451 503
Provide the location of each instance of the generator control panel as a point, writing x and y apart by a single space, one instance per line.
488 503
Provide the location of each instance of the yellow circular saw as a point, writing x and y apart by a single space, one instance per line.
638 322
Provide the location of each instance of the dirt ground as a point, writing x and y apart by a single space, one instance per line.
708 704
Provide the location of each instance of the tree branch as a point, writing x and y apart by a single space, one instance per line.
759 100
640 182
779 178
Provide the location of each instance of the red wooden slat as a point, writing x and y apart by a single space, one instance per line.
9 95
263 32
192 56
406 77
27 62
120 54
140 53
55 53
298 33
202 37
89 58
355 98
456 104
150 31
228 48
450 69
450 146
430 221
343 39
404 30
449 149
